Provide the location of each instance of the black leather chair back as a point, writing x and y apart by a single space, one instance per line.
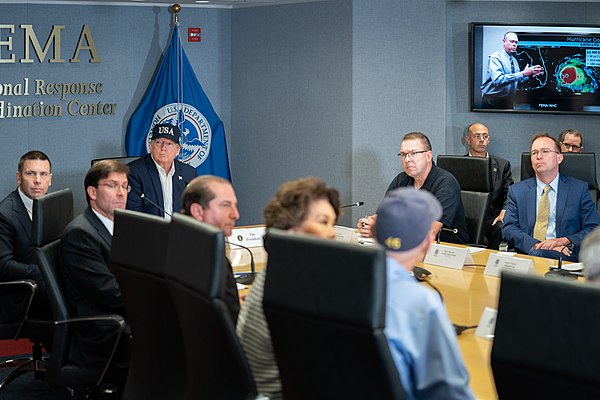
474 175
578 165
124 160
138 256
51 214
325 306
546 340
216 367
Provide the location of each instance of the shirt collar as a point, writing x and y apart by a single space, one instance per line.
108 223
487 155
541 185
161 169
27 202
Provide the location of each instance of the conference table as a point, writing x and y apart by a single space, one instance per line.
466 293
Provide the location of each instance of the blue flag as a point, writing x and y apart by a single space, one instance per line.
175 96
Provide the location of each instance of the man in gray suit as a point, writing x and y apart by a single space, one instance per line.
17 261
478 139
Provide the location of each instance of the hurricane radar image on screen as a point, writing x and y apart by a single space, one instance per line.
572 66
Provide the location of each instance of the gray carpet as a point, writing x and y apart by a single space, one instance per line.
26 387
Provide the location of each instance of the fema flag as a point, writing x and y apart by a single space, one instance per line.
175 96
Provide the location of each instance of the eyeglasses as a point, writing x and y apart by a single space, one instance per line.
479 136
33 174
115 186
571 147
165 143
544 152
411 154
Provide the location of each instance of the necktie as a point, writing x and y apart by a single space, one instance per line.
512 65
541 222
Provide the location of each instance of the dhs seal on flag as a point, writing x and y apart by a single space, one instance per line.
196 133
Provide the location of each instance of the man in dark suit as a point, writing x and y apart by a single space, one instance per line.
91 287
17 261
478 139
549 215
158 176
212 200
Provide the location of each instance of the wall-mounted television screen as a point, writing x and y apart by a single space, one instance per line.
535 68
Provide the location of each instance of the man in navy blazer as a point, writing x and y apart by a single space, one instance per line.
17 260
572 214
478 139
157 180
90 285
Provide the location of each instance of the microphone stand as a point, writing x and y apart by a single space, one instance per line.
248 277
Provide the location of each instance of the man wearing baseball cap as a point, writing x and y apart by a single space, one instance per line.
420 335
157 180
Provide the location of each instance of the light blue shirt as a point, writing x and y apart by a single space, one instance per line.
551 231
422 340
499 80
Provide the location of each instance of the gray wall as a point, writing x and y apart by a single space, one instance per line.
291 99
324 88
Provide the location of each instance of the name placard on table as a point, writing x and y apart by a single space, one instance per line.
249 237
448 256
498 262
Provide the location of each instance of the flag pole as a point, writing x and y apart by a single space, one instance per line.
176 8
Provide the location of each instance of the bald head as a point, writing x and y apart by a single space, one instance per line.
478 139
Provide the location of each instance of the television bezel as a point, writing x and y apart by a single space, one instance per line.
515 27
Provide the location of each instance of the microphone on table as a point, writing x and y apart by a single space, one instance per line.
455 231
142 196
357 204
559 273
248 277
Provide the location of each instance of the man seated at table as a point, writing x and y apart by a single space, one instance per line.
421 172
549 215
211 199
478 139
419 333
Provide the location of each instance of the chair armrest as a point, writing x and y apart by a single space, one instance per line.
28 284
119 323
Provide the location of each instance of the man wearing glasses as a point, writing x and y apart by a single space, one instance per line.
571 141
17 261
157 180
549 215
84 255
478 139
421 172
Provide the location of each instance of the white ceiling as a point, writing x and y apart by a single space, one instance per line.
183 3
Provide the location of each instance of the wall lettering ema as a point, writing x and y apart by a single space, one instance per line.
56 97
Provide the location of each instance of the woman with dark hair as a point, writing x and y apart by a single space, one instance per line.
307 206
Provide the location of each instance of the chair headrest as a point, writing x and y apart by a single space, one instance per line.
51 215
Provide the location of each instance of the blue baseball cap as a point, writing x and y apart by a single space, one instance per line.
404 218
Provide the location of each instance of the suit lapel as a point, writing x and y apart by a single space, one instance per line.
530 200
21 213
561 201
99 226
178 186
154 178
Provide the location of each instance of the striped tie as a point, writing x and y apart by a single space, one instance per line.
541 222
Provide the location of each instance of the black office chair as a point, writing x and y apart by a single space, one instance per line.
124 159
216 367
578 165
325 306
51 214
36 330
474 175
138 256
546 340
